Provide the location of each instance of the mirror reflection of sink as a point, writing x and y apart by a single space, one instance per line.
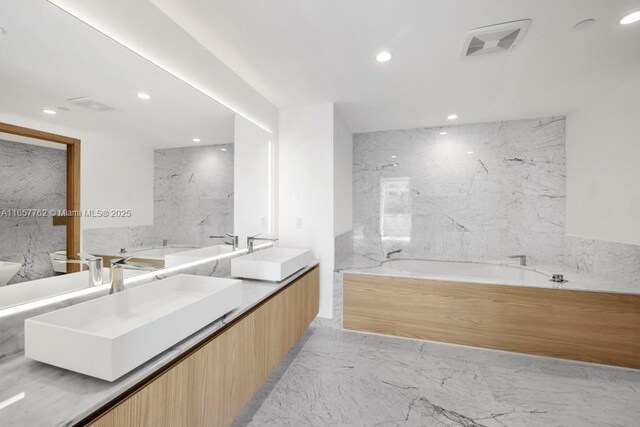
23 292
179 258
272 264
109 336
7 271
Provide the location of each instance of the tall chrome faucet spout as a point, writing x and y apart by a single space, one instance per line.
117 272
95 265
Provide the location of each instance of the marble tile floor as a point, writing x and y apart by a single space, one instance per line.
341 378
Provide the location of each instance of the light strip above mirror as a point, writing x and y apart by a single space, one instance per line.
103 28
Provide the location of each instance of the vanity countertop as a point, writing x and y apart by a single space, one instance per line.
35 394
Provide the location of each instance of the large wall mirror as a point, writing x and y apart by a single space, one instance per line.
164 169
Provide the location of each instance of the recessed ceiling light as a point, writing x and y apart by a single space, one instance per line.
50 112
144 96
196 139
394 157
383 56
223 149
452 116
444 132
630 18
469 152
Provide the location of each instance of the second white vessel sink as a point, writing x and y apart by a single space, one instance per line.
272 264
109 336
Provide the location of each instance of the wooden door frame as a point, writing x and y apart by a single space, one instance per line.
73 182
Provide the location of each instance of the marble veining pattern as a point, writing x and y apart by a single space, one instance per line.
343 245
605 262
342 378
480 192
110 240
31 177
193 193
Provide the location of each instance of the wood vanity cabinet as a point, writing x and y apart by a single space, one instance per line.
211 385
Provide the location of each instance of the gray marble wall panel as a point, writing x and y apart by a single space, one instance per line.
111 240
193 194
343 249
479 192
31 177
605 261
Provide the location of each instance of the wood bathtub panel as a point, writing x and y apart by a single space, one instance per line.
588 326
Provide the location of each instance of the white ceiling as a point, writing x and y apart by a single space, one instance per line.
48 57
299 52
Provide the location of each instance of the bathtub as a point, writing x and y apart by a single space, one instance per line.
461 271
496 306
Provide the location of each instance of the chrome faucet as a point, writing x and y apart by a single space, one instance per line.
95 265
117 272
252 239
397 251
523 259
235 240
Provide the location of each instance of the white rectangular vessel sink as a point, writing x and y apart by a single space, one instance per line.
272 264
184 257
109 336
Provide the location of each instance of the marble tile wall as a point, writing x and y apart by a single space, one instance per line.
193 193
31 177
605 261
193 199
343 247
111 240
480 192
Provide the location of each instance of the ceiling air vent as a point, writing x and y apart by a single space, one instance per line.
90 103
494 38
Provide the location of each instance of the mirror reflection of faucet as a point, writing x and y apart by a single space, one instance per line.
95 265
251 241
234 242
96 270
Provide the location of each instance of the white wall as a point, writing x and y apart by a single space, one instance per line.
306 188
114 174
253 180
343 176
603 166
